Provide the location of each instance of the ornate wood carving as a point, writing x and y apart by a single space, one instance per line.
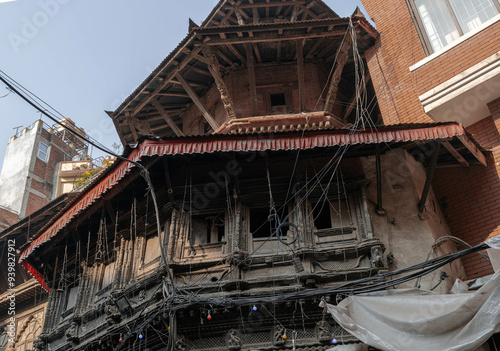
342 55
214 68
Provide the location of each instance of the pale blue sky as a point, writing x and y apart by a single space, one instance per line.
84 57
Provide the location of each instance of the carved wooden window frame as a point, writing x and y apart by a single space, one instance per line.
254 243
359 230
190 250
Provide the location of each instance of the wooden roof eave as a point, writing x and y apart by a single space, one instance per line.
172 60
260 33
230 4
340 21
173 64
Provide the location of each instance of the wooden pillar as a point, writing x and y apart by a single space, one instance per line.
251 79
301 75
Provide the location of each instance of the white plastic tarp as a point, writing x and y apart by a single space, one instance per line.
413 322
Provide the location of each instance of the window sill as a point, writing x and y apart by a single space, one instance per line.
455 43
272 238
334 231
68 312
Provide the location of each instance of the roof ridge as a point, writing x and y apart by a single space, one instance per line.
222 3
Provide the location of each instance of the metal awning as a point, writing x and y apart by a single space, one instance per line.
390 135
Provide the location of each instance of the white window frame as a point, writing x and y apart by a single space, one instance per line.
46 159
423 33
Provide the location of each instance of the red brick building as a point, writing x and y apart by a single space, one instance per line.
7 218
440 61
30 169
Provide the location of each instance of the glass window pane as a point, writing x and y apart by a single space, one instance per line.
43 147
438 22
42 155
473 13
43 151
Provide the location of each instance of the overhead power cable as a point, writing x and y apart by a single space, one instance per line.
10 91
23 93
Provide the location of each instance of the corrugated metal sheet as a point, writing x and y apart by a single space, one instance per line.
224 143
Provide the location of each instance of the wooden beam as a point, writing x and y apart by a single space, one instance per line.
278 55
237 12
255 15
243 13
251 80
289 9
295 12
323 25
130 123
353 101
164 83
301 75
166 117
455 154
236 53
269 39
313 48
268 4
156 116
223 56
181 95
473 149
430 175
195 85
343 54
201 58
199 70
214 68
213 123
257 53
226 17
327 48
379 209
308 12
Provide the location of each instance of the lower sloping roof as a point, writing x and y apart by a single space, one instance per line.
388 135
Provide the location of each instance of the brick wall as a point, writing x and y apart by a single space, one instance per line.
35 202
471 195
43 177
7 218
399 48
269 79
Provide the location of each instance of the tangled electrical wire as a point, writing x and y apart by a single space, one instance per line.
361 286
180 299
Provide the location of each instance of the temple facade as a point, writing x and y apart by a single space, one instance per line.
259 182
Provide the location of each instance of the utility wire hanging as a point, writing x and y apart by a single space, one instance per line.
144 172
10 91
